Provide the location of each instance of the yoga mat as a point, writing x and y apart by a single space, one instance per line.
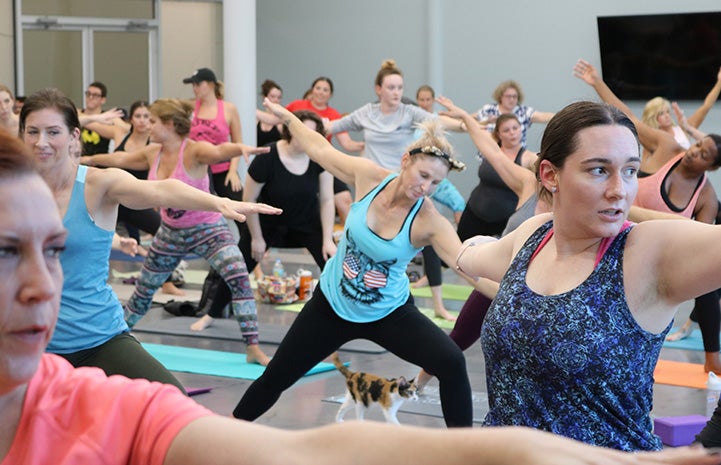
228 329
449 291
445 324
693 342
428 404
193 391
213 362
125 291
680 374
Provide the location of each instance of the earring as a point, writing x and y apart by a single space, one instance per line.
554 189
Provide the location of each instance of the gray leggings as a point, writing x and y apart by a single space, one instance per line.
216 244
123 355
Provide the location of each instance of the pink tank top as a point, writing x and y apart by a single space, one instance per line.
602 248
651 193
216 131
184 218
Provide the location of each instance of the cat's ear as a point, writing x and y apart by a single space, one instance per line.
403 383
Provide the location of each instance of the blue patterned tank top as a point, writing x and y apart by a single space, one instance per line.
575 364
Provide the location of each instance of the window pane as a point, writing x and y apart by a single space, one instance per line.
142 9
52 59
121 63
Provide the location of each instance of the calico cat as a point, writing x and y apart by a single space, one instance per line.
362 389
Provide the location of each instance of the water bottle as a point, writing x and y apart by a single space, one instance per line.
278 269
713 389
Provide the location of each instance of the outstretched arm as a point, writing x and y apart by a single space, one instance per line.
345 167
650 137
699 115
214 440
207 154
123 188
684 124
520 180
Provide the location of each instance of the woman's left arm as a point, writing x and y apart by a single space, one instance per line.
137 194
327 213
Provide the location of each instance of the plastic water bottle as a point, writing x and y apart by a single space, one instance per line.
713 389
278 269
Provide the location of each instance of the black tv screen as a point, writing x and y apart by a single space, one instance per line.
676 56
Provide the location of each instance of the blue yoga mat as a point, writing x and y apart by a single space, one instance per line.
693 342
213 362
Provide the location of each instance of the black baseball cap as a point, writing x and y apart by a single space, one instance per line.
200 75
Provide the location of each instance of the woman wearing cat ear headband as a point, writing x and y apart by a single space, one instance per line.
364 291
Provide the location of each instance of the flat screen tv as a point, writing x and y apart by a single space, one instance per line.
676 56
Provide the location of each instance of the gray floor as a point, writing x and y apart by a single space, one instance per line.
301 406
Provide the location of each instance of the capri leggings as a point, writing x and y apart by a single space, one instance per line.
216 244
318 331
123 355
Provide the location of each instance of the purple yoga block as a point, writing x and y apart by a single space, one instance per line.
679 431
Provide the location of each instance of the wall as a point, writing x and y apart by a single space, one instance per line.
536 43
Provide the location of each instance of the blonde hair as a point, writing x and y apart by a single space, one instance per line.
652 109
434 143
502 87
388 68
175 110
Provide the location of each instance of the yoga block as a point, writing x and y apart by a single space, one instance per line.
679 431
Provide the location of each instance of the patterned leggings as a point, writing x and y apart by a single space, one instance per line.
216 244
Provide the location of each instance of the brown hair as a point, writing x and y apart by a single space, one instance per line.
304 115
15 158
388 68
499 122
175 110
560 139
50 98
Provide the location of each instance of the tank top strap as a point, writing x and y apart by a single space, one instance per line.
602 248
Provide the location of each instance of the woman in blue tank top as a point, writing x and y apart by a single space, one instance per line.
363 290
91 329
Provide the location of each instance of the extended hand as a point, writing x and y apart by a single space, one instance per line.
586 72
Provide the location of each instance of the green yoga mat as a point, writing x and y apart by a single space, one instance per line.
445 324
450 291
213 362
693 342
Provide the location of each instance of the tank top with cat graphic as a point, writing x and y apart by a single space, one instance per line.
576 363
366 279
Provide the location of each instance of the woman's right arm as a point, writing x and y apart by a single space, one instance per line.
344 167
520 180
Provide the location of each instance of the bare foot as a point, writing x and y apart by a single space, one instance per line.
422 282
421 380
682 333
202 323
253 354
444 314
171 289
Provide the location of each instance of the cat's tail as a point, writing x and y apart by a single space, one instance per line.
339 365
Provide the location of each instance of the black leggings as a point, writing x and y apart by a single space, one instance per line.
147 220
707 314
470 225
318 331
220 189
